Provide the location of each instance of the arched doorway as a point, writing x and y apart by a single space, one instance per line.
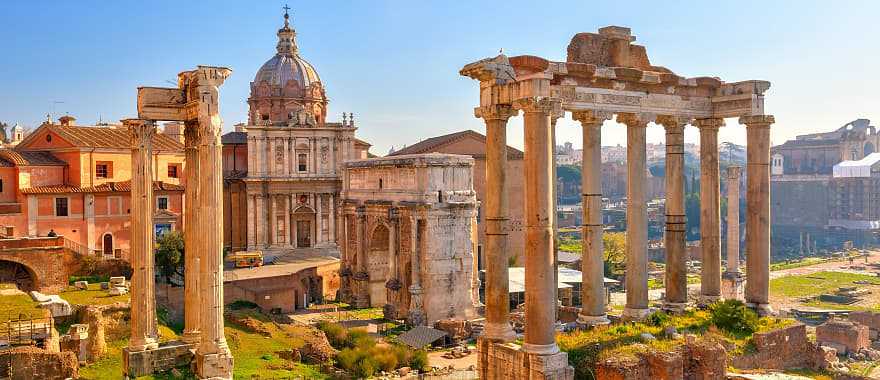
377 265
303 223
107 244
17 274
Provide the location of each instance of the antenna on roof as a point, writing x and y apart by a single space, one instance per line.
52 114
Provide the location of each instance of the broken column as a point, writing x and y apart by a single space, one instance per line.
592 259
636 217
213 359
676 255
731 281
710 211
758 211
144 333
497 327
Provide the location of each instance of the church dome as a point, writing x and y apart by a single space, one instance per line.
284 67
287 65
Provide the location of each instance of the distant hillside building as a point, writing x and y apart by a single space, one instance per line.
803 173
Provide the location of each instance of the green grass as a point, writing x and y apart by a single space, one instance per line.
816 283
20 304
93 296
805 262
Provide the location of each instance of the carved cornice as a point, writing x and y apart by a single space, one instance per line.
591 117
709 123
539 104
757 121
495 112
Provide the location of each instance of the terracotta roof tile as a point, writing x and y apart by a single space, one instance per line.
109 137
108 187
432 144
30 158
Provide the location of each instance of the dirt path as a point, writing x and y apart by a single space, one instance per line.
836 266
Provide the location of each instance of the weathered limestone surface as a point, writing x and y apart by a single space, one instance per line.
192 290
676 256
843 335
731 281
697 359
782 349
636 217
758 211
710 211
162 358
35 363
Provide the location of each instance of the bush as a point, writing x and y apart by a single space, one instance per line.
386 359
419 360
657 319
241 305
734 317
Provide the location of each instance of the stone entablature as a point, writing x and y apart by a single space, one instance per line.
408 237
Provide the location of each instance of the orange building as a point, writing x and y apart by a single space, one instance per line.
75 181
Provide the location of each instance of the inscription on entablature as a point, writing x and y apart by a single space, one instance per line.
738 107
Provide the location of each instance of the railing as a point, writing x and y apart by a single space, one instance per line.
77 247
25 331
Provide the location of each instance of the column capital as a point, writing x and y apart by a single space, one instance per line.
539 104
495 112
591 117
142 131
709 123
635 119
673 121
757 121
734 172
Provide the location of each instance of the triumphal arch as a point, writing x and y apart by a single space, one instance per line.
195 102
604 75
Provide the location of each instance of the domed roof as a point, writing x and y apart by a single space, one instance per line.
284 67
287 64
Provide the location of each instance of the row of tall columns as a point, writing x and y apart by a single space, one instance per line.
636 279
675 239
541 294
144 329
592 258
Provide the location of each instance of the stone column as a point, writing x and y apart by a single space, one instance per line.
144 329
273 220
497 327
319 218
416 315
333 218
758 211
541 294
287 220
592 259
361 277
676 254
392 284
732 277
260 224
636 217
252 220
192 291
213 359
273 169
285 152
710 211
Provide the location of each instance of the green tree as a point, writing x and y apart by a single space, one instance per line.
170 255
614 252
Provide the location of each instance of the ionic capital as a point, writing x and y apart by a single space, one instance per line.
757 121
673 122
709 123
495 112
734 172
591 117
633 120
539 104
142 132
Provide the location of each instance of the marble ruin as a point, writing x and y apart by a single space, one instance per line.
606 74
409 235
194 102
732 278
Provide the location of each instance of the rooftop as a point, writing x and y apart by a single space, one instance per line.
434 143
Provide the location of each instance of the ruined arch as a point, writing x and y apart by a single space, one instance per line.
19 274
378 263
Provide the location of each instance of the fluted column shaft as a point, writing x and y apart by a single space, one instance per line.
710 211
540 336
733 178
416 315
676 255
592 258
191 248
144 332
758 211
496 209
636 217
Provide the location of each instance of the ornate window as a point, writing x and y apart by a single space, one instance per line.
301 162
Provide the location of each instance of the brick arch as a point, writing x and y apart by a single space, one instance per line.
49 262
35 281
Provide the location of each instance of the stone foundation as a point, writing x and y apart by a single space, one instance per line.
867 318
497 361
34 363
167 356
703 359
784 349
214 366
732 286
843 336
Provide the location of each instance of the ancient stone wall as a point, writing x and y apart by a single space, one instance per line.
785 348
843 336
35 363
697 359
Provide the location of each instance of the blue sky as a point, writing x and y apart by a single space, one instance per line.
395 63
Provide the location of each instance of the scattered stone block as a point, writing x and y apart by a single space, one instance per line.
117 291
81 285
57 306
853 337
105 286
118 281
39 297
36 363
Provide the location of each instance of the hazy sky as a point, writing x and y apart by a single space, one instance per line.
395 63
